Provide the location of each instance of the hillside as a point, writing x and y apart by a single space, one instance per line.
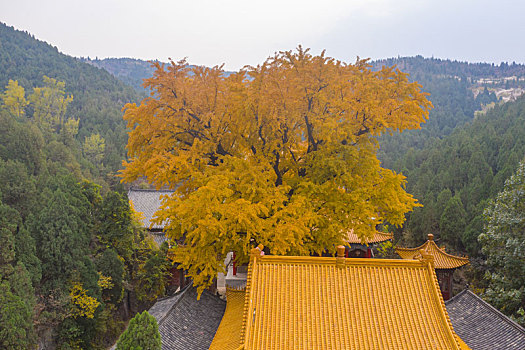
458 91
74 263
98 97
129 70
471 143
465 170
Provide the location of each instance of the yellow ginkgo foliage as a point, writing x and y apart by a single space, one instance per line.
282 154
104 282
82 305
14 99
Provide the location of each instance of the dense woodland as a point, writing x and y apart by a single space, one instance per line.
459 154
75 266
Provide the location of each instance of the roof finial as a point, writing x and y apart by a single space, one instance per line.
426 257
430 237
256 252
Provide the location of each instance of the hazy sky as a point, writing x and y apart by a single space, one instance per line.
239 32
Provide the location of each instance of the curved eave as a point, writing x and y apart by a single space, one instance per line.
378 237
228 336
442 260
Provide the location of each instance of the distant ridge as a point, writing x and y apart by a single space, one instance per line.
131 71
447 67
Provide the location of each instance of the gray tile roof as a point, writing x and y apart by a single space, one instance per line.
158 237
186 323
481 326
147 202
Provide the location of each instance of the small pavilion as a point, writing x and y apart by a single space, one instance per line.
357 248
444 263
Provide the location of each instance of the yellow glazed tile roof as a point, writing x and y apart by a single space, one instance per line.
228 336
442 260
338 303
378 237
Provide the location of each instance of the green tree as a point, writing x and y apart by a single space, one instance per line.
152 276
61 240
142 334
110 265
17 299
503 243
16 327
26 253
453 222
115 224
18 188
21 142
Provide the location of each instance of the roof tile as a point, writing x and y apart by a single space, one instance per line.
147 202
483 327
442 260
327 303
376 238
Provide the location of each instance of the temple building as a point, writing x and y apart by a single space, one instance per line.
146 203
358 248
445 264
293 302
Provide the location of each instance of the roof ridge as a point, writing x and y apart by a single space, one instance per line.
413 249
181 294
447 254
248 290
433 244
443 310
498 313
316 260
148 190
457 295
443 260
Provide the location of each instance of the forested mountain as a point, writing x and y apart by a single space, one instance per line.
74 263
97 96
457 90
461 157
419 65
129 70
455 177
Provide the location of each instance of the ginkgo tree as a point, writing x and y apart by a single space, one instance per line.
282 154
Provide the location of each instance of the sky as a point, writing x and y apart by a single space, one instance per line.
245 32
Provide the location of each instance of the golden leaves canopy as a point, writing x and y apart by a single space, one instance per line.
282 154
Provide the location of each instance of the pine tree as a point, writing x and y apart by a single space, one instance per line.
453 222
142 334
17 298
